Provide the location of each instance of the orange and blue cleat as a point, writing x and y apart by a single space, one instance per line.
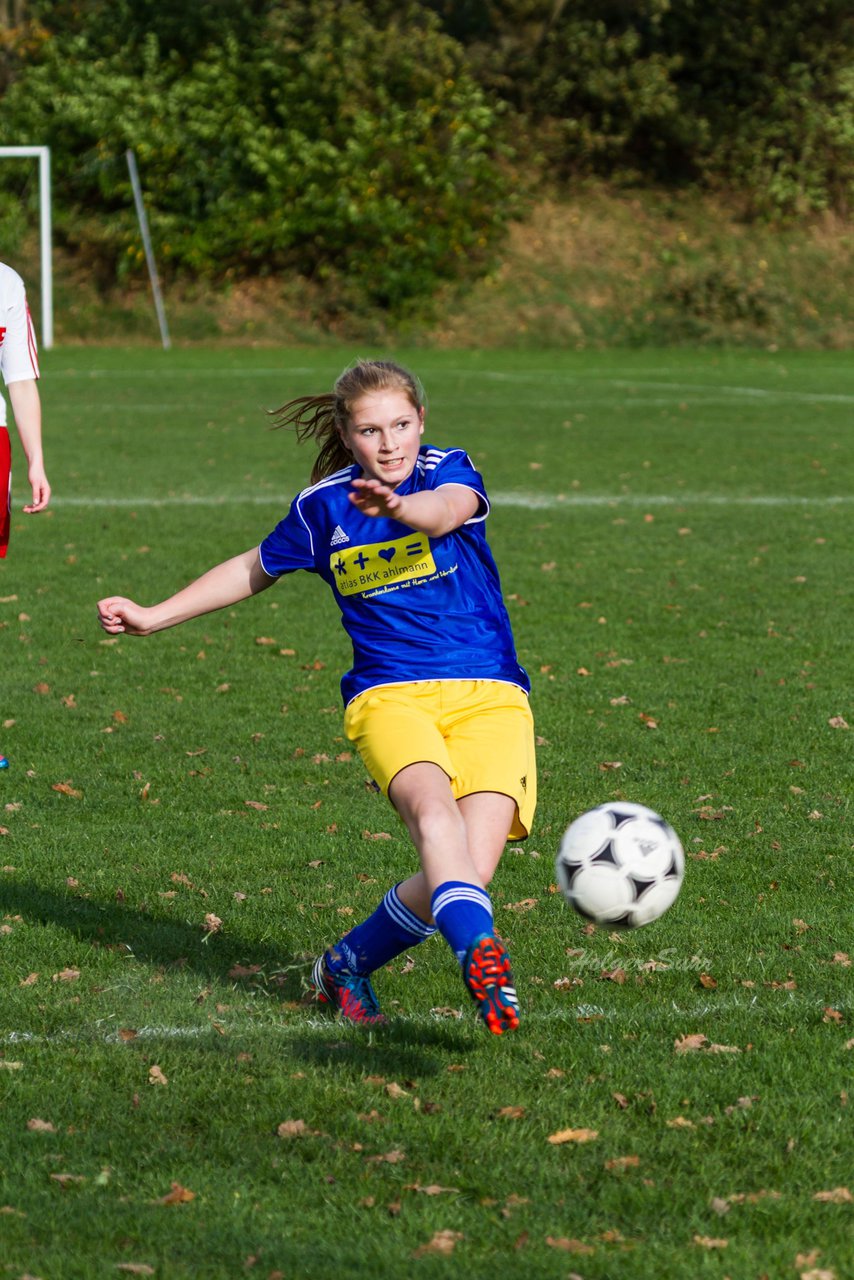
351 994
489 978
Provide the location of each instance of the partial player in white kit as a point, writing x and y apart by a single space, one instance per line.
20 368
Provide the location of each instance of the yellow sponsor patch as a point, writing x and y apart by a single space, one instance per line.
379 564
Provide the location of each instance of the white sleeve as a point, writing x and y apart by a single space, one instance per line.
18 353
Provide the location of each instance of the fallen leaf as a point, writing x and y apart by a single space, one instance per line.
296 1129
212 923
569 1246
66 789
754 1197
691 1043
839 1195
66 975
432 1190
156 1076
511 1113
135 1268
177 1195
837 722
710 1242
442 1242
10 1066
743 1104
40 1126
390 1157
573 1135
622 1162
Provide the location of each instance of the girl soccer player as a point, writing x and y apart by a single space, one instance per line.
436 701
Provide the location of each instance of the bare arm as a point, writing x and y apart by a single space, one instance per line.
26 406
433 511
225 584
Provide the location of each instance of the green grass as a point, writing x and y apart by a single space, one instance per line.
675 541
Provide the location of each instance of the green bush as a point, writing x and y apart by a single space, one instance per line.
345 144
750 95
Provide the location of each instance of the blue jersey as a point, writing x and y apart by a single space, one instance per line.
415 608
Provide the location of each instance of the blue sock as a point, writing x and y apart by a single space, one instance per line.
462 913
391 929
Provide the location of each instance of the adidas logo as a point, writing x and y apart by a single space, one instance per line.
338 537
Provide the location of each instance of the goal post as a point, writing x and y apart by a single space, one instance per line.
42 154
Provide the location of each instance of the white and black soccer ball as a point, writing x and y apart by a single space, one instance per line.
620 865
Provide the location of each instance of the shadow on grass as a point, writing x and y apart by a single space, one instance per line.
404 1046
155 940
401 1047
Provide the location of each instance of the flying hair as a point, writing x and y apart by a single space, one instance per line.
325 418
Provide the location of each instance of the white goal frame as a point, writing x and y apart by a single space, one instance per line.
42 154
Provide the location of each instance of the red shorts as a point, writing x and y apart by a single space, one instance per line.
5 490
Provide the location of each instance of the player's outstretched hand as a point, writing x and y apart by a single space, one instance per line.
373 498
117 614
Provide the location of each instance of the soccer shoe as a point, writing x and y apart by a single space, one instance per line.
4 763
489 978
352 995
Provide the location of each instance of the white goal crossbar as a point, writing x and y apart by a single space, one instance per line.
43 156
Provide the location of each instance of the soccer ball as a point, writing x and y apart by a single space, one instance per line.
620 865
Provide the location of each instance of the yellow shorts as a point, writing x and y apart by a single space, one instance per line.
480 732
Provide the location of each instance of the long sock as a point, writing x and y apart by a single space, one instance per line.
391 929
462 913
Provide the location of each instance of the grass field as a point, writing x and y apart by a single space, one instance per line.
675 538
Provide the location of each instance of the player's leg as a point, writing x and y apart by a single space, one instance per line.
390 727
459 844
341 976
489 818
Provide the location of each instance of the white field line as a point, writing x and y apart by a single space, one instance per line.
682 1017
537 376
533 501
